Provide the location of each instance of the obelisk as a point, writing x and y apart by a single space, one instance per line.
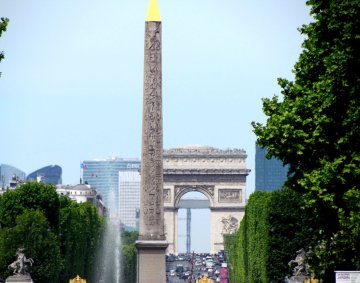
151 244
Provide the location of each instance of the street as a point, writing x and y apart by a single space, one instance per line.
189 267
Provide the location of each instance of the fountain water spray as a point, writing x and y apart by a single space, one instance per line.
109 259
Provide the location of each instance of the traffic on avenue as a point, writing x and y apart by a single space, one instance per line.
191 268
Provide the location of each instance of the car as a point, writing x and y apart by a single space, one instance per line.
172 272
170 258
179 269
209 263
182 276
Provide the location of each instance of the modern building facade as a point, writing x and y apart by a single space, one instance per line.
109 177
129 199
51 174
270 174
10 175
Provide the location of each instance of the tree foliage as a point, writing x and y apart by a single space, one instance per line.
61 236
257 224
3 25
80 230
315 129
129 256
30 196
273 229
31 232
234 245
289 231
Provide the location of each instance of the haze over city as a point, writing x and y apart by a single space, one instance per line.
71 85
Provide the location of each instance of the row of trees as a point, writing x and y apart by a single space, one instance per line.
315 129
274 227
60 235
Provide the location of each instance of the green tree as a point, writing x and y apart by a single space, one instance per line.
316 130
80 230
61 235
32 232
30 195
3 24
274 227
257 229
129 256
236 254
289 231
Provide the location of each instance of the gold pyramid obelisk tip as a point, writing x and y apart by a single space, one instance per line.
153 14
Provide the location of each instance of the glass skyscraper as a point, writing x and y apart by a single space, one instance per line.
8 174
129 198
51 174
108 176
270 174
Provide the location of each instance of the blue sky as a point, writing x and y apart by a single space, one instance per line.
71 87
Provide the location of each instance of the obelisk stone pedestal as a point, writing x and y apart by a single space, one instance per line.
151 259
19 279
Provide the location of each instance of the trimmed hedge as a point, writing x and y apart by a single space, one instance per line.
274 227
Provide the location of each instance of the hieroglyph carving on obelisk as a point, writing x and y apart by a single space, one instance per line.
152 212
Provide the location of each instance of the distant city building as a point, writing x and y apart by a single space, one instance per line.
129 199
10 176
104 176
82 193
51 174
270 174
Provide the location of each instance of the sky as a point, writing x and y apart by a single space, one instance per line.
72 77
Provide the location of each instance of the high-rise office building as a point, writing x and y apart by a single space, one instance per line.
10 176
129 198
51 174
270 174
105 175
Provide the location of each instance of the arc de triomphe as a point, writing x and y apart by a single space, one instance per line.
218 174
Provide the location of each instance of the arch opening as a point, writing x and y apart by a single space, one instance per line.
194 222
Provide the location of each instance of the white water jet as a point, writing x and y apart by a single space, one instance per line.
109 260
